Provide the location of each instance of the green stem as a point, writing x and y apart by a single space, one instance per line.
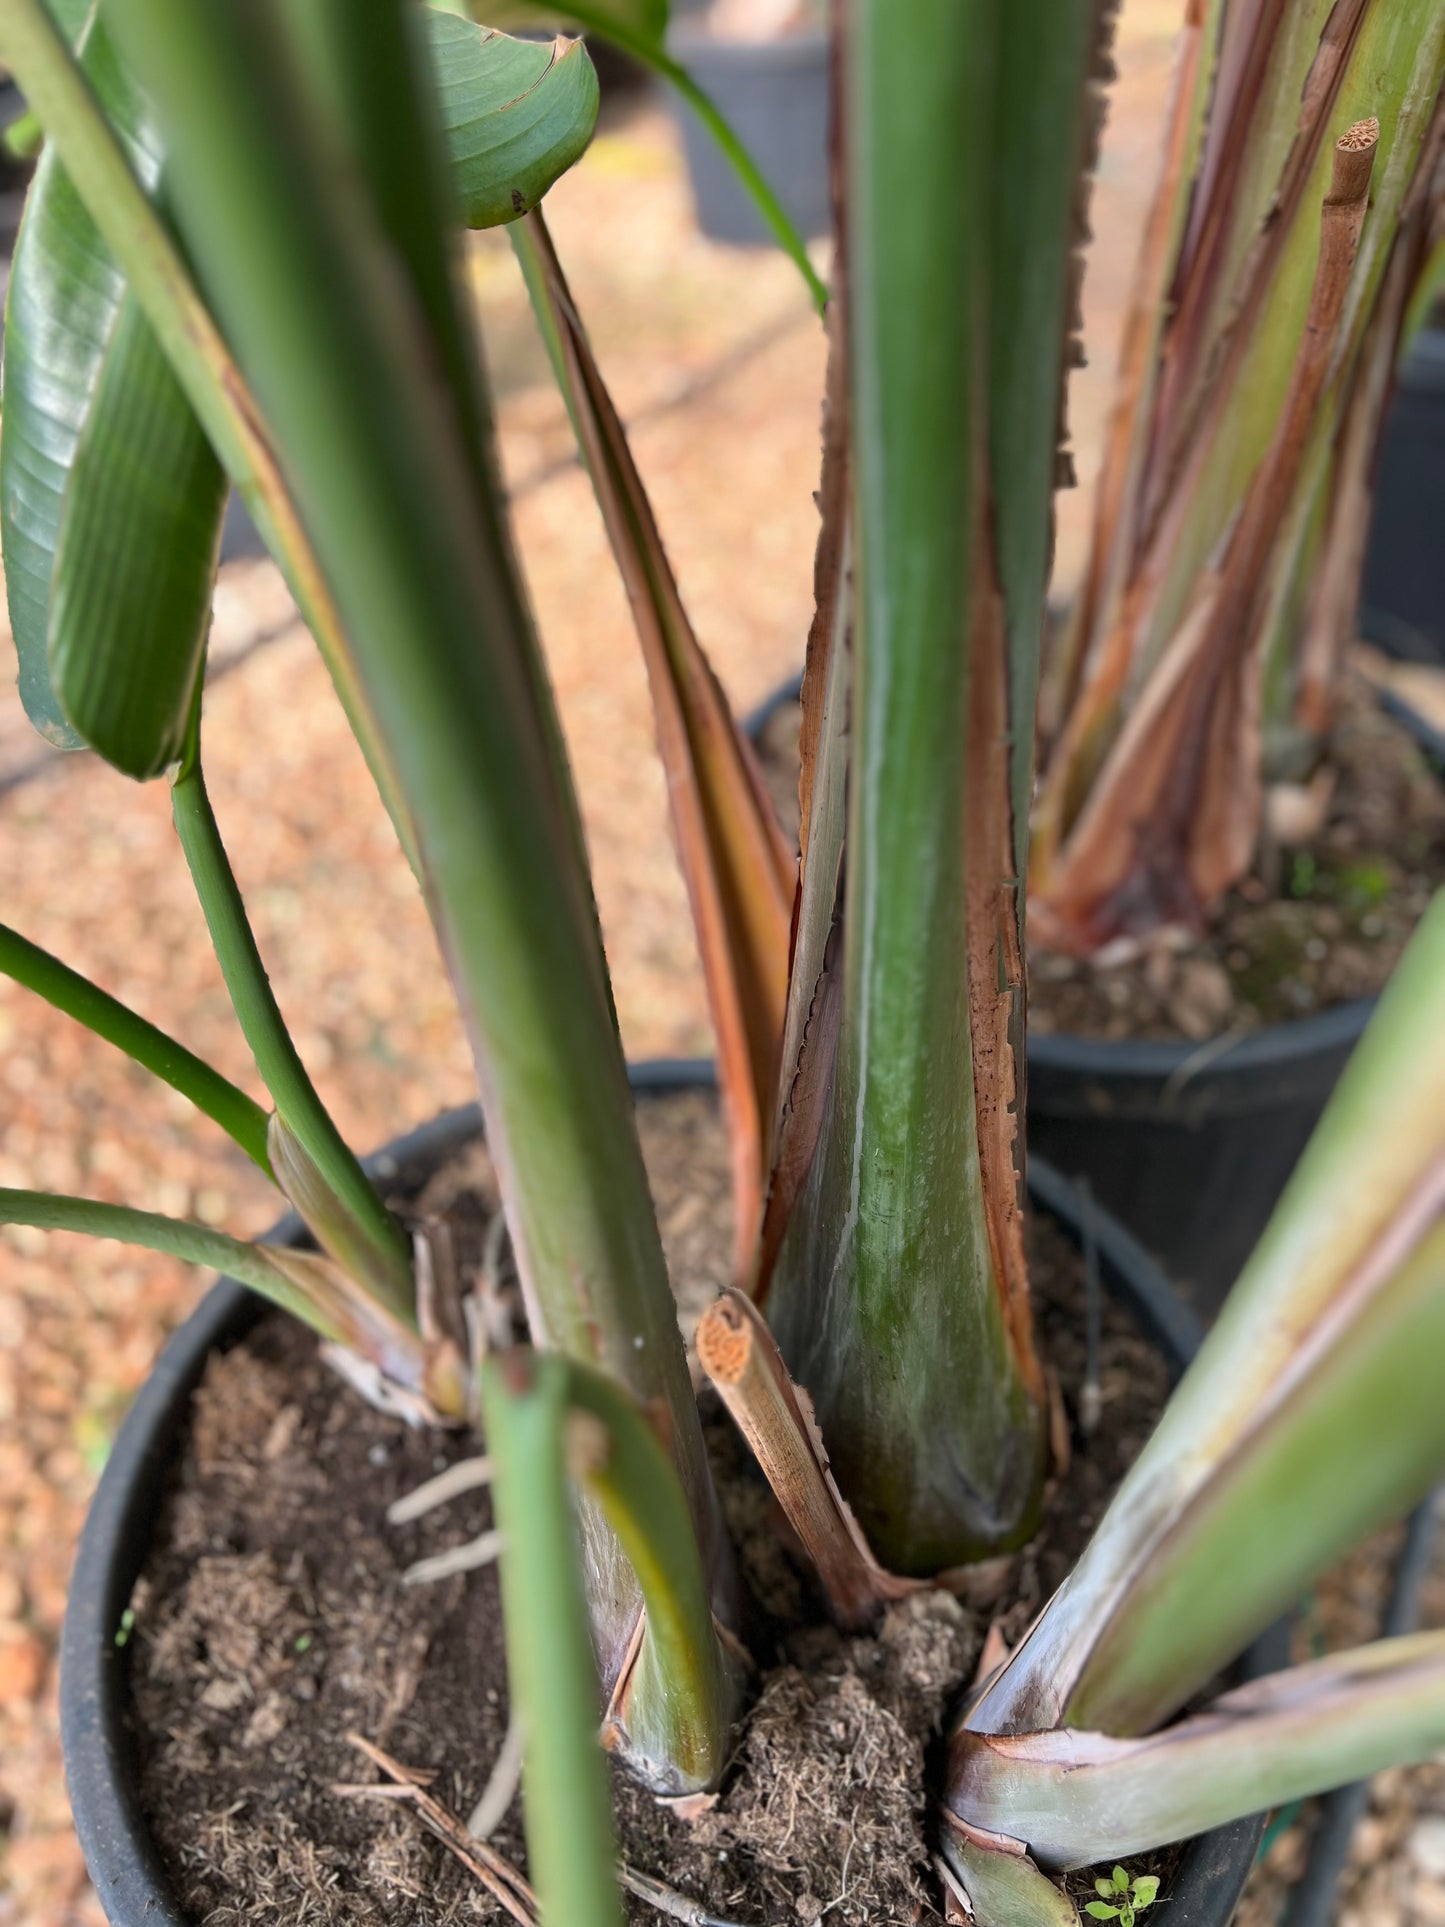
193 1244
238 1115
311 1287
642 48
362 1235
420 559
551 1672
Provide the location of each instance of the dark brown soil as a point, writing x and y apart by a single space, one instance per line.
1316 925
272 1621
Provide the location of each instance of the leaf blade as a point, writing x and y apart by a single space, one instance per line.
110 621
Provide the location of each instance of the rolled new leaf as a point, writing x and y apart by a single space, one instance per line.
639 28
110 495
516 114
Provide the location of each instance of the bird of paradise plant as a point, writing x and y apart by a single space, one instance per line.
239 260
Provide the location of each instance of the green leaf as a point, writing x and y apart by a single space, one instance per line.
1146 1888
312 288
516 114
1098 1908
140 529
1104 1887
1121 1881
115 197
110 496
1311 1415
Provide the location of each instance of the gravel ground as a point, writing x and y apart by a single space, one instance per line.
717 360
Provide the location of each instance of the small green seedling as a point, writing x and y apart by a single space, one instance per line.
126 1627
1123 1899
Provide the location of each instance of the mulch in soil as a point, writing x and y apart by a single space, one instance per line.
272 1621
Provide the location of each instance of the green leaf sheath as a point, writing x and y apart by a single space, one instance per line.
110 496
1076 1796
359 1231
888 1298
551 1673
622 1466
516 114
1049 60
420 562
238 1115
1256 1477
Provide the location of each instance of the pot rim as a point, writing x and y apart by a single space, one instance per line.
96 1734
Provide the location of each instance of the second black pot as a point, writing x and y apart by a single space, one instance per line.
775 95
99 1745
1190 1145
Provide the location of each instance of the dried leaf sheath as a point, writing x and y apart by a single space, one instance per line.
741 1358
996 975
740 875
1215 387
1171 820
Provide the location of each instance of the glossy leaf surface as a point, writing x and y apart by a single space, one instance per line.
110 496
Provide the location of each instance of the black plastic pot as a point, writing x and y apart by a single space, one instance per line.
94 1702
1189 1144
775 95
1403 604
